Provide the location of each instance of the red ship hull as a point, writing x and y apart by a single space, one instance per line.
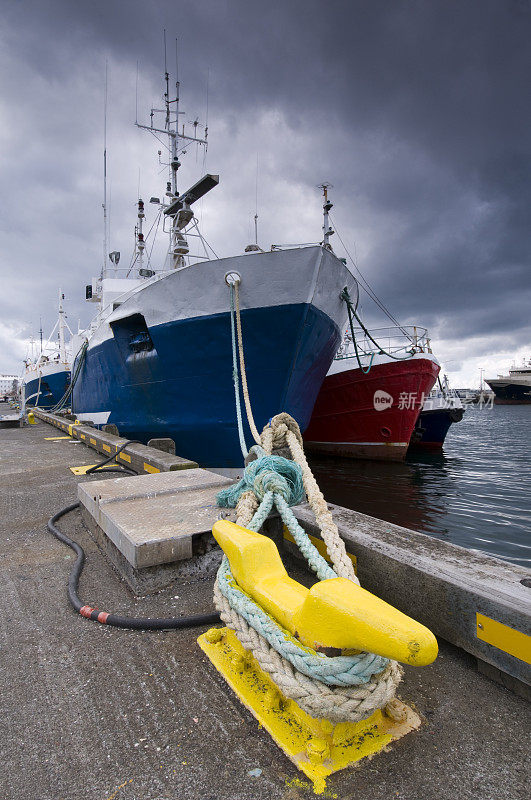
347 421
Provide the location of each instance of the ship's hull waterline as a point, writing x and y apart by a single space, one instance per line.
161 364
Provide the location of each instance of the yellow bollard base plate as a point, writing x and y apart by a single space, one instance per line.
317 747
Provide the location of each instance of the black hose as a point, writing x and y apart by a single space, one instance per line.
119 467
136 623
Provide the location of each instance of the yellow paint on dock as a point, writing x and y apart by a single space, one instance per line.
83 470
511 641
149 468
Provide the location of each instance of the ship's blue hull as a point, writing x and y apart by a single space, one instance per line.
181 385
52 388
432 427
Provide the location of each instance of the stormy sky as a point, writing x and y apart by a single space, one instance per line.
417 112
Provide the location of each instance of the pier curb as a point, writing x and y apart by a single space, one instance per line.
140 457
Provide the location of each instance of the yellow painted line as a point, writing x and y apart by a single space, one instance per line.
121 786
125 457
83 470
321 548
106 447
55 438
92 441
149 468
503 637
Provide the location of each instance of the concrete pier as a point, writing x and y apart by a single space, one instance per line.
98 713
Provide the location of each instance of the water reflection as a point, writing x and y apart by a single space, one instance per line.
476 493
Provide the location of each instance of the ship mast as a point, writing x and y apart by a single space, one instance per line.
178 247
104 204
327 205
62 349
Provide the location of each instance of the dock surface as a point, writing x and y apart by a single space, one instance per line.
107 714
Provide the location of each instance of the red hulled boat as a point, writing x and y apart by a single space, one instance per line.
371 399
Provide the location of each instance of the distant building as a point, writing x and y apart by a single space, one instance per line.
6 384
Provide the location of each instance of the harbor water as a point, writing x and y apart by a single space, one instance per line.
475 493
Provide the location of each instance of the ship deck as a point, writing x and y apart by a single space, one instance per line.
107 714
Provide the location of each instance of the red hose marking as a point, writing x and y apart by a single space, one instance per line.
86 611
102 617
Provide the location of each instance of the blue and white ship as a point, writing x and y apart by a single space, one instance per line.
46 378
157 360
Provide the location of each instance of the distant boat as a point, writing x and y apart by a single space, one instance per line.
47 376
441 409
514 388
371 398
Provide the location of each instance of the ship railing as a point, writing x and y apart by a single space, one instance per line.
445 392
297 246
401 342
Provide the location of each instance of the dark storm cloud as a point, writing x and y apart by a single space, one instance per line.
417 112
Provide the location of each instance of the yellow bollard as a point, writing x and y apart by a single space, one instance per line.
335 613
31 418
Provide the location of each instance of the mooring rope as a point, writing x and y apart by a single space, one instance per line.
337 671
342 688
337 704
235 379
246 398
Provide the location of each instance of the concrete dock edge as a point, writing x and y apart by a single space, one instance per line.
463 596
138 456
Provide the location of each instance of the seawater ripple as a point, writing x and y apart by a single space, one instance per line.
476 493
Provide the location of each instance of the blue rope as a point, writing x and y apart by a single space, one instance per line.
266 474
352 670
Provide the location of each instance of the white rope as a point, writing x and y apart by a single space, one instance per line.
281 431
248 409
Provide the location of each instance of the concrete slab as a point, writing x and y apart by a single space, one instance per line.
11 420
152 519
